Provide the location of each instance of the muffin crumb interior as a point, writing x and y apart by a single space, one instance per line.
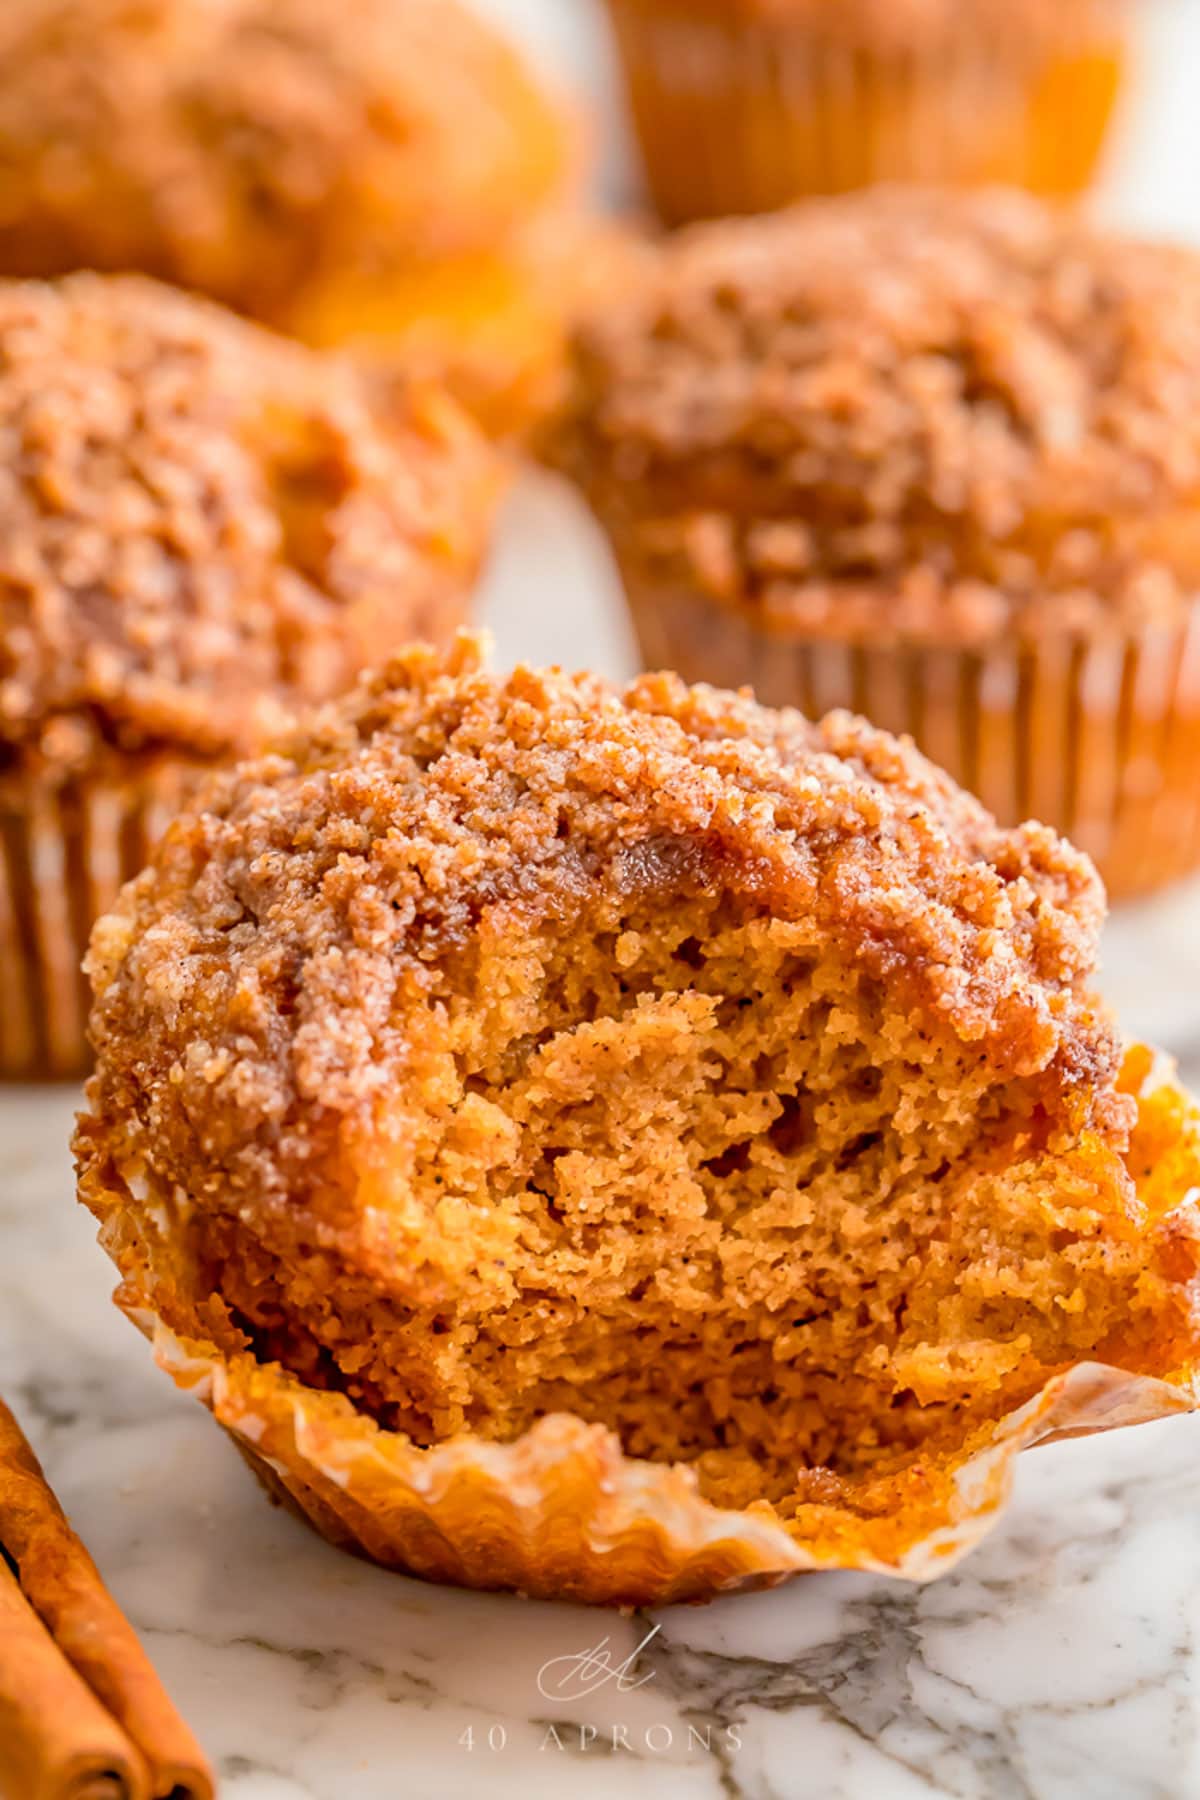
513 1046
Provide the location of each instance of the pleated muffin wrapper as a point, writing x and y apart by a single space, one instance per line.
1094 732
68 841
741 108
562 1512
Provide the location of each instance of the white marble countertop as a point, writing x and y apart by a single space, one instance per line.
1061 1661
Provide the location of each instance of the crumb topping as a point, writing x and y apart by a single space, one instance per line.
201 525
240 147
973 401
273 967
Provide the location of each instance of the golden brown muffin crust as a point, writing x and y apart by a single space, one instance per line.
267 977
240 147
933 412
201 524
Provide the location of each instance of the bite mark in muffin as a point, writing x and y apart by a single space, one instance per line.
507 1049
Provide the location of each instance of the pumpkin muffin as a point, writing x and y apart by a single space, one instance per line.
649 1141
744 105
200 526
936 458
387 175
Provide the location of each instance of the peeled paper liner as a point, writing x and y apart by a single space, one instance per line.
562 1512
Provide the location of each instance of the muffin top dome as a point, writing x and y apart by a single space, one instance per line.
201 524
966 405
242 147
280 964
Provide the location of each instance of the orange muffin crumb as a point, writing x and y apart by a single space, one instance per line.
505 1048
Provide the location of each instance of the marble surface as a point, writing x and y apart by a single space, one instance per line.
1061 1661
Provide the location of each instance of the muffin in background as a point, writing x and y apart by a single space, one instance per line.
201 525
936 458
746 105
651 1143
388 175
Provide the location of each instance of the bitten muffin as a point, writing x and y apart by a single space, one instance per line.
650 1141
200 526
936 458
387 175
745 105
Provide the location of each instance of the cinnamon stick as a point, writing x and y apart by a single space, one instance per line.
80 1702
56 1740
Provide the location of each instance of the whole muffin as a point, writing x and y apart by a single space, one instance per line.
200 526
649 1142
744 105
936 458
388 174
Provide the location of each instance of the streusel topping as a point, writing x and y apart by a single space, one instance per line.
972 399
201 524
271 972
